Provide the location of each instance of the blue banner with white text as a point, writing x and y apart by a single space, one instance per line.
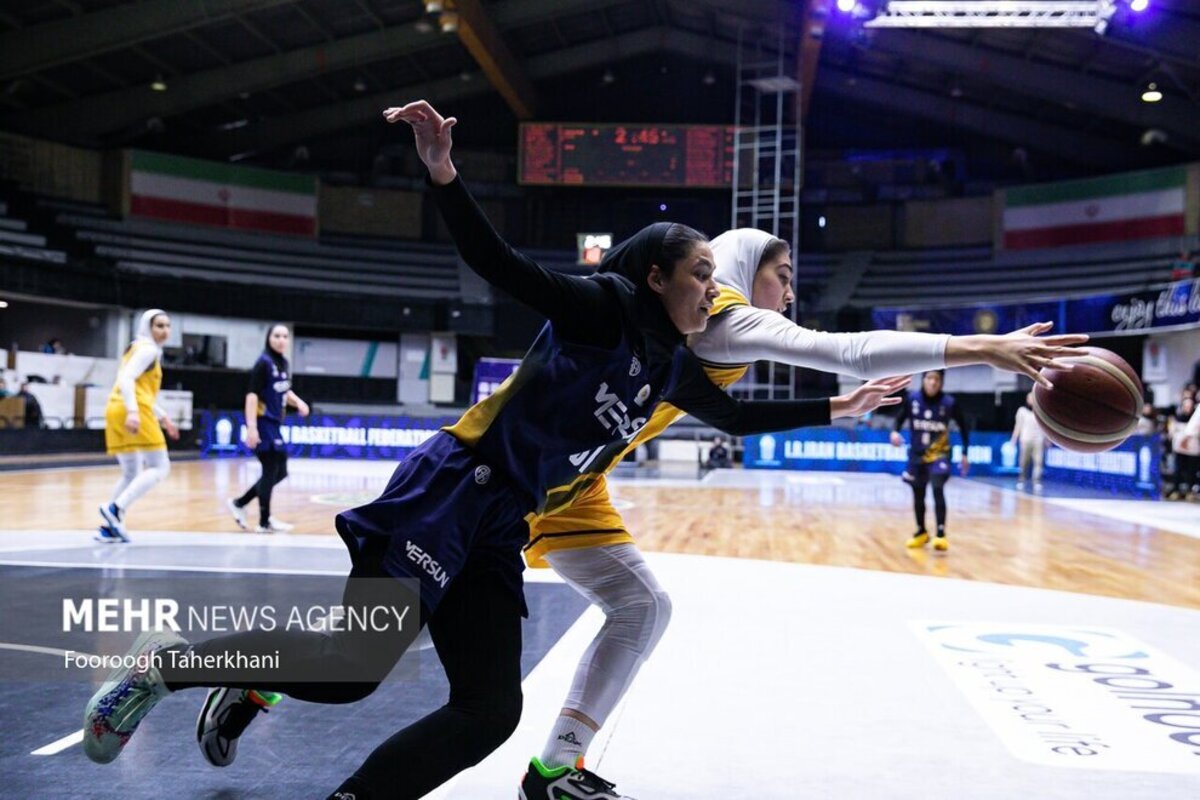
1172 306
324 436
1131 469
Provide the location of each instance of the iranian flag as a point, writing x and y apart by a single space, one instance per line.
210 193
1135 205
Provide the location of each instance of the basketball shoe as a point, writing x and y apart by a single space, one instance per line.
116 710
919 539
565 783
224 717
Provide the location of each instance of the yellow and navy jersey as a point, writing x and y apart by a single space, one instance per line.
607 356
269 380
929 420
566 416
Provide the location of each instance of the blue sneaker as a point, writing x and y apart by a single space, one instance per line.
116 710
113 520
107 535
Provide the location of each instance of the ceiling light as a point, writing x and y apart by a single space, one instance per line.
1152 93
846 6
449 21
423 26
434 6
159 85
359 84
709 79
1139 5
608 76
3 304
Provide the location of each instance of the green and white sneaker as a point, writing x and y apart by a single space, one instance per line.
565 783
224 717
116 710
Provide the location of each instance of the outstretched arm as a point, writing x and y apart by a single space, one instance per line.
581 309
746 334
697 395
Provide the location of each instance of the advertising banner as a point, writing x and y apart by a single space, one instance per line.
323 436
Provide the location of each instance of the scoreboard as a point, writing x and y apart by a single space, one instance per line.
607 154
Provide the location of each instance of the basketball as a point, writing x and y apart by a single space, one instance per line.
1092 407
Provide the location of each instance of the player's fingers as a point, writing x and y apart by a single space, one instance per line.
449 123
891 401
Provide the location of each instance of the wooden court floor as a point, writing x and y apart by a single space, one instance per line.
846 521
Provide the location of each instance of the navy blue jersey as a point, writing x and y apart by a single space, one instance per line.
568 411
929 419
271 383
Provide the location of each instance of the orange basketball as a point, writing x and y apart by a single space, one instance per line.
1094 406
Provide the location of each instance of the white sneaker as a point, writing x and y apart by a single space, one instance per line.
1020 486
279 526
239 513
1037 487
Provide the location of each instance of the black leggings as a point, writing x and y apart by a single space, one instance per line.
477 632
274 470
939 499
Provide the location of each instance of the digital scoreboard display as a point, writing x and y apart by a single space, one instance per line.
582 154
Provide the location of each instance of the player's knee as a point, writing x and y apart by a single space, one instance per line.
163 469
642 617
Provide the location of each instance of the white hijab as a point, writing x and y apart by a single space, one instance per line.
143 329
737 253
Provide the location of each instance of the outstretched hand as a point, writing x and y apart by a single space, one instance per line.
1027 352
432 132
868 397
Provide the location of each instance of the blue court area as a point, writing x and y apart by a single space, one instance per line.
297 750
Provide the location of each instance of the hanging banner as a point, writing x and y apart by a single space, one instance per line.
1114 208
190 190
1175 305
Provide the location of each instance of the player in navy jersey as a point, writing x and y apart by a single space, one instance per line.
452 519
929 413
266 405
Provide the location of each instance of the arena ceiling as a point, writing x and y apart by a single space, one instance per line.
294 82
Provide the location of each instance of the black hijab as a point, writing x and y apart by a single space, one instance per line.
278 359
631 261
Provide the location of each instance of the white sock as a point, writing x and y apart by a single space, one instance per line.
569 739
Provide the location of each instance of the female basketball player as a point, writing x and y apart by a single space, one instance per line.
266 405
453 517
929 413
132 421
586 540
587 543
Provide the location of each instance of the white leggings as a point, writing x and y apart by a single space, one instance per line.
617 579
140 472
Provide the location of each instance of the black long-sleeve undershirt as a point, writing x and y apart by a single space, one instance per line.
584 311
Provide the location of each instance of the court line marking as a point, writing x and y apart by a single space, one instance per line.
57 746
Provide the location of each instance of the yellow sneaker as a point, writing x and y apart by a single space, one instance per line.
941 544
919 539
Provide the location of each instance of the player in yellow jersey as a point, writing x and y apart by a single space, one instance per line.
134 424
587 542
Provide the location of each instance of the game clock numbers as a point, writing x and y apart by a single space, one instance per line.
578 154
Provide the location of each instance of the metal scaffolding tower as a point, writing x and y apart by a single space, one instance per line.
767 163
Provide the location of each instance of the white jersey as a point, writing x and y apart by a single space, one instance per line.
1027 431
